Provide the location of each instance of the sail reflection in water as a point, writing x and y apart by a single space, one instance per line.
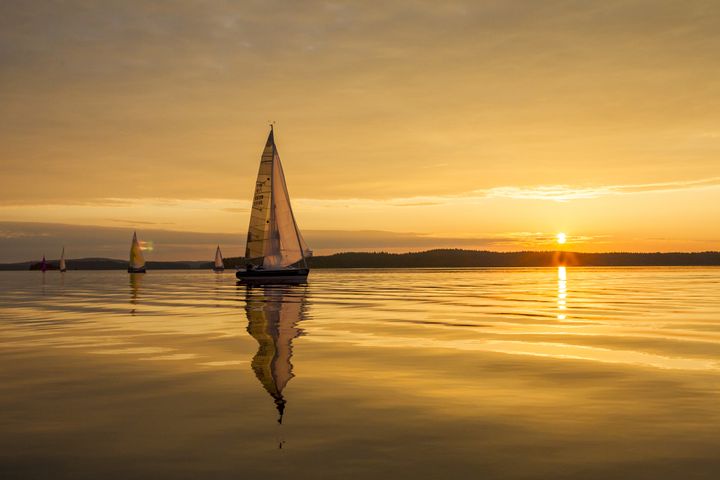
135 284
273 314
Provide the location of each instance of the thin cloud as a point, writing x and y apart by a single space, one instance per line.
564 193
137 222
556 193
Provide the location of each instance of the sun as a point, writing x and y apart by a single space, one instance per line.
561 238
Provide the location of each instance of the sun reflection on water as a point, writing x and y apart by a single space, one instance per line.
562 293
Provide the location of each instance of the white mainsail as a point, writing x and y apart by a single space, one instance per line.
218 260
273 234
136 257
62 261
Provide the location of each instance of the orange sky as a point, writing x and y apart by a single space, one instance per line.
401 125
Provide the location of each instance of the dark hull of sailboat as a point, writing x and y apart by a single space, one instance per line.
218 270
63 270
136 270
286 275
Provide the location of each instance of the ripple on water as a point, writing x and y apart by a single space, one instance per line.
506 373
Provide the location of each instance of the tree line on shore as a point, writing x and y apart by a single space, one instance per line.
453 258
440 258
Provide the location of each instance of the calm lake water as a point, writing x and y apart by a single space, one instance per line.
588 373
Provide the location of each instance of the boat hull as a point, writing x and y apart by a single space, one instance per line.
63 270
218 270
136 270
286 275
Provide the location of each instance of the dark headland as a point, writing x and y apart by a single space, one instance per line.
444 258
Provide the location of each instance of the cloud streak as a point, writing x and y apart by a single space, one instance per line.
205 207
564 193
555 193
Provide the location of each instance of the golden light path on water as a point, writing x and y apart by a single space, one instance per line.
507 373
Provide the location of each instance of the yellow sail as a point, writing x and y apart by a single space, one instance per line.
137 261
63 267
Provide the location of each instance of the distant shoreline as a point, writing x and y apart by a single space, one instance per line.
455 258
441 258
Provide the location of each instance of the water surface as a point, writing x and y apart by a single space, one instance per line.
589 373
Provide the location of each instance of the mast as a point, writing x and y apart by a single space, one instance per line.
273 232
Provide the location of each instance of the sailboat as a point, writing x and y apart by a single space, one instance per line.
273 315
43 265
218 266
275 251
63 267
137 262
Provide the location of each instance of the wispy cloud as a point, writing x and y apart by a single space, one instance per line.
180 209
136 222
555 193
19 235
564 193
545 238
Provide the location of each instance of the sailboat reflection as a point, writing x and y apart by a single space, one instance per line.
273 313
135 282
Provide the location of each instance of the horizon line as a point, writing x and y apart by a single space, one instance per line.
383 252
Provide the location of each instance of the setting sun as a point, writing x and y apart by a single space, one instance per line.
561 238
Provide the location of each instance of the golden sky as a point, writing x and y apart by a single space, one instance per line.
401 125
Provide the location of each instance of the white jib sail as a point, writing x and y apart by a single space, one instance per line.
284 247
136 256
62 260
273 234
218 258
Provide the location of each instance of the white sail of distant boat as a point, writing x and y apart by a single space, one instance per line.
218 266
274 241
137 261
62 261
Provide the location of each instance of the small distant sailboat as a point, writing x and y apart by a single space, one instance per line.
218 266
63 267
137 261
275 251
43 265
